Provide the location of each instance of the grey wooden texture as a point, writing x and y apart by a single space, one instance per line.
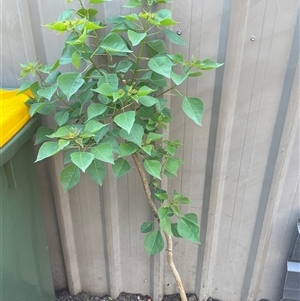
241 168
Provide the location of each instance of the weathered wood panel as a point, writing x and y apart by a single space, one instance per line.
241 168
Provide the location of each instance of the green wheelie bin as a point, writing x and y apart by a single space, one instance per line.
25 272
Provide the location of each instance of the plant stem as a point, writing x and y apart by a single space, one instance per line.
169 249
145 184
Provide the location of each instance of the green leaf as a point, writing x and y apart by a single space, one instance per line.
105 89
173 37
97 171
148 149
61 117
172 165
163 17
37 107
161 64
99 135
48 92
158 80
111 79
65 15
135 136
41 134
165 225
82 159
188 227
120 168
147 227
94 126
76 60
153 167
133 3
163 212
52 78
144 90
62 143
111 140
146 112
178 57
194 74
167 22
80 40
98 1
61 132
125 120
135 38
93 25
69 176
66 57
147 101
114 43
87 12
96 109
132 17
153 137
161 195
67 157
57 26
156 46
47 149
193 108
69 83
103 152
154 242
127 149
24 86
178 78
176 209
174 230
181 199
208 64
123 66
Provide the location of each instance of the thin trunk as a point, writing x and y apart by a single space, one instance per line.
173 268
169 249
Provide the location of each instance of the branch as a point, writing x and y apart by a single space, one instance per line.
145 184
169 249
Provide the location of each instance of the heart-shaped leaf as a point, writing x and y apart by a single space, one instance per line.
97 171
188 227
69 176
70 82
82 159
47 149
135 136
114 43
146 227
135 38
193 107
103 152
161 64
125 120
154 242
120 168
153 167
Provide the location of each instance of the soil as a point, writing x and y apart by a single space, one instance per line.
63 295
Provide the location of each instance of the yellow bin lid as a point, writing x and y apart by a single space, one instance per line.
14 113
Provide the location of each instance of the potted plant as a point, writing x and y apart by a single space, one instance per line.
116 106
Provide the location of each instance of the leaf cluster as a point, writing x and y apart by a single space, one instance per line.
113 103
